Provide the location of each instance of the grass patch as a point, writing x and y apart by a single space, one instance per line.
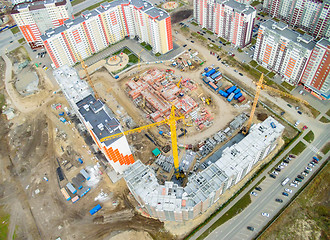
253 72
262 69
253 41
133 59
4 219
300 31
288 86
158 54
324 120
127 51
198 36
271 74
209 32
314 112
14 30
75 2
326 148
213 47
253 63
185 29
118 71
22 40
298 148
143 44
2 102
148 47
232 212
194 23
328 113
239 50
222 40
255 3
309 137
276 19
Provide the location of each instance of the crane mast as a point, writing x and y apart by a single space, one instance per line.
89 80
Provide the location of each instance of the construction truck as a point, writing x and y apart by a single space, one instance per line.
208 100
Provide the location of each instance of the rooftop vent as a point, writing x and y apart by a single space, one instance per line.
86 107
100 126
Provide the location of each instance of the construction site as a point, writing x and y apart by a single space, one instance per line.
152 154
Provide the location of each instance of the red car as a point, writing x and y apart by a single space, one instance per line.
305 127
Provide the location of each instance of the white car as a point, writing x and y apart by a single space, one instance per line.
295 182
309 169
280 166
288 190
275 173
254 194
293 185
311 165
284 164
265 214
303 173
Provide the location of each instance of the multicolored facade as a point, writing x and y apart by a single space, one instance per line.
35 17
111 22
316 78
97 118
313 16
282 50
228 19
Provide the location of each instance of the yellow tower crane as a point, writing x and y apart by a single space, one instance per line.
256 98
171 121
89 80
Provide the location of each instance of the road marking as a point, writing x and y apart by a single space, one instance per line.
313 148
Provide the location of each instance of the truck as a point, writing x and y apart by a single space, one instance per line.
75 199
85 174
95 209
285 181
238 95
83 191
80 160
215 75
65 194
272 124
213 86
241 99
223 93
231 89
230 97
71 188
62 119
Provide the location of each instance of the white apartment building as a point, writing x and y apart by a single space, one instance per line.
282 50
228 19
34 17
170 202
111 22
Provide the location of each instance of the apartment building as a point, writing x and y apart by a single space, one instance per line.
282 50
228 19
34 17
111 22
310 15
170 202
315 77
97 118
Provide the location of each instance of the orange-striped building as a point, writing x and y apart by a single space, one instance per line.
34 17
97 118
283 50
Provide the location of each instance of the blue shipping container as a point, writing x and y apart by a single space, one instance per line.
238 95
61 114
231 96
95 209
231 89
217 74
206 80
205 69
209 73
80 160
237 90
223 93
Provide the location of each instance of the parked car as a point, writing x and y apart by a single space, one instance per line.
259 188
305 127
265 214
306 171
293 185
309 169
280 166
277 169
279 200
301 177
288 190
192 41
250 228
272 176
289 105
295 182
184 45
275 173
284 164
292 156
285 194
298 179
241 74
254 193
286 161
299 112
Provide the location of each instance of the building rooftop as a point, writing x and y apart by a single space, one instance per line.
324 42
35 5
282 29
239 7
155 13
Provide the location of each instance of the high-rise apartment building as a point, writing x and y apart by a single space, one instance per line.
282 50
111 22
97 118
313 16
316 76
36 16
228 19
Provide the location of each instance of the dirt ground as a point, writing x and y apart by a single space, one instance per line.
180 15
308 216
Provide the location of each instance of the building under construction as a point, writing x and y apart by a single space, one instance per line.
158 92
98 119
170 202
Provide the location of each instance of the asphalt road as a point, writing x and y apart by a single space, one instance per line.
236 228
81 6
